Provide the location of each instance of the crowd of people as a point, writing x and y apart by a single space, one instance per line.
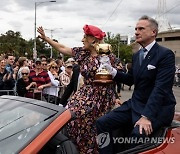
43 79
152 72
177 76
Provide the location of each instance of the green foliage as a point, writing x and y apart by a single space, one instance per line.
14 43
123 51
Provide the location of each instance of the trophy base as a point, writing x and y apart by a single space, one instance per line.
103 78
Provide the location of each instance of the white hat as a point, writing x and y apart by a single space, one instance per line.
70 60
68 64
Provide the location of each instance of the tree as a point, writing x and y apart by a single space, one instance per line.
124 51
14 43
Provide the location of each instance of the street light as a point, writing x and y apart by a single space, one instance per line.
35 51
52 30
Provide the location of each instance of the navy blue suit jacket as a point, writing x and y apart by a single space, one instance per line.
153 80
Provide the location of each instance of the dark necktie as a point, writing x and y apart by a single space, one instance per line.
141 55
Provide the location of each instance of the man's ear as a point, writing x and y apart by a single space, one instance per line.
154 32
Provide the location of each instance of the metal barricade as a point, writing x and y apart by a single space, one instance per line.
47 95
39 95
8 92
55 97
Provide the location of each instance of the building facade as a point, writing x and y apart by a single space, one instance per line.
171 40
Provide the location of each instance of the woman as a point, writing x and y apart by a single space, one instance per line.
51 93
90 101
25 84
23 62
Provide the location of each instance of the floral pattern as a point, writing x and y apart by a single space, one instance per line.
89 103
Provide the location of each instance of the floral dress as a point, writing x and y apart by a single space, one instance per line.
89 103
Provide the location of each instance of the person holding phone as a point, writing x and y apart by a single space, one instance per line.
8 75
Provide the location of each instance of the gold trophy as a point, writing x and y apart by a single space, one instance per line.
103 76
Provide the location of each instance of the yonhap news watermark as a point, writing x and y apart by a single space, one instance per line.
103 140
140 140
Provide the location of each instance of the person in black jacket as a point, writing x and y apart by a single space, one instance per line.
25 83
7 81
72 86
152 104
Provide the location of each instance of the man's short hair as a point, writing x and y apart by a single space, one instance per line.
153 22
8 54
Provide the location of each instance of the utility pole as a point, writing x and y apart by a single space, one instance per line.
51 31
35 7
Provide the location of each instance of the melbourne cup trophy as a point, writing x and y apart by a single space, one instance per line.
103 76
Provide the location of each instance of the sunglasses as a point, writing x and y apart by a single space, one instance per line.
24 73
54 67
44 64
38 63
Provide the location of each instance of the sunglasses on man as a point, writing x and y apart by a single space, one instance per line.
38 63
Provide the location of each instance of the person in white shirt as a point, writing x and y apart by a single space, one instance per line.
51 93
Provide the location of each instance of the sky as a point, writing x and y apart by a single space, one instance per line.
64 19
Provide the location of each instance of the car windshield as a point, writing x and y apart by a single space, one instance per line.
20 122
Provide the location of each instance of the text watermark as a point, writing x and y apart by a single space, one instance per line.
103 140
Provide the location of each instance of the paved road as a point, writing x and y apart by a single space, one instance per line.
126 94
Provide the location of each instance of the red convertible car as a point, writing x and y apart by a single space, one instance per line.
29 126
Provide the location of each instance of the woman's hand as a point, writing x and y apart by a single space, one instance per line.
33 84
5 77
55 74
16 69
30 85
41 32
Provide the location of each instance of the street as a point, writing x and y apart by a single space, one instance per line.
126 94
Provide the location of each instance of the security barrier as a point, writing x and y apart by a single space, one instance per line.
8 92
40 95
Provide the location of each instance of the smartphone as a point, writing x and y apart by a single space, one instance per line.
8 69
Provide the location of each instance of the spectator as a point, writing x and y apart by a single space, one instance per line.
74 83
44 65
51 93
60 65
9 74
23 62
25 85
119 85
2 78
43 57
41 78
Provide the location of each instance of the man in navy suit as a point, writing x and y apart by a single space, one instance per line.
152 104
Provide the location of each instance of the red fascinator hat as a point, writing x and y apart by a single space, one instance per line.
94 31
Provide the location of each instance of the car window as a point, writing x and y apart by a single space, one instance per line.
19 123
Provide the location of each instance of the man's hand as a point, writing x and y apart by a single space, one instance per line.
110 69
40 88
145 124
